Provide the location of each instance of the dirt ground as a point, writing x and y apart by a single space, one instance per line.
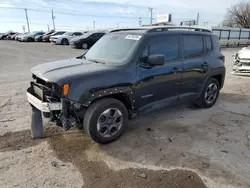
172 148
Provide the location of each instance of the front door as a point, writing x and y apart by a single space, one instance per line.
160 82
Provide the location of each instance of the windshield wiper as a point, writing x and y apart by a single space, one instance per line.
93 60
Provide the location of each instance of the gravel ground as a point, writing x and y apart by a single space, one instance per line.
175 147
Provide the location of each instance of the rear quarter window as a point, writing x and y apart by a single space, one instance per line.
192 46
208 42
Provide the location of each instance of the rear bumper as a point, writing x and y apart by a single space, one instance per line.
43 106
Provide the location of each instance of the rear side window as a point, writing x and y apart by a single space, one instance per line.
77 34
166 45
192 46
208 43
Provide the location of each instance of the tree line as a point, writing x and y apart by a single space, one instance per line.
238 15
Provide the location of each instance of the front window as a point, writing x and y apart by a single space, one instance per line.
113 48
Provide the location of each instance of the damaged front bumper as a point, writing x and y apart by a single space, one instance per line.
56 111
43 106
241 68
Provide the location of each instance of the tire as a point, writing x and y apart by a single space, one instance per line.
85 46
95 112
65 42
29 40
202 101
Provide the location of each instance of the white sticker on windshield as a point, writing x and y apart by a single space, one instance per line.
133 37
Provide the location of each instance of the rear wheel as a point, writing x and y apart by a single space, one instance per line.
84 46
105 120
65 42
210 94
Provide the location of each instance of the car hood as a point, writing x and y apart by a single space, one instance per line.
65 71
46 36
244 54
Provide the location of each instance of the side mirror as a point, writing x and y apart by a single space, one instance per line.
156 60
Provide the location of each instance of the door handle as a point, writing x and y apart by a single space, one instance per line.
175 70
205 64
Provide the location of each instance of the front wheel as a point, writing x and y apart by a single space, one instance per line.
29 40
210 94
105 120
65 42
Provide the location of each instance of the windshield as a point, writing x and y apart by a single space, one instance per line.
85 35
114 48
67 33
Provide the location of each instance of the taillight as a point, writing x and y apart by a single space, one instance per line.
222 58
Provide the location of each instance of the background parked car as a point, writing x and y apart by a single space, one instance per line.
31 36
87 40
46 37
65 38
14 36
10 35
39 38
6 35
18 37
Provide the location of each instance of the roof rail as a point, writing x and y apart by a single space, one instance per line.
167 28
127 29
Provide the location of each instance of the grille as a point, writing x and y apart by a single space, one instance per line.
46 91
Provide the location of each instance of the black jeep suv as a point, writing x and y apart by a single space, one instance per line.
126 71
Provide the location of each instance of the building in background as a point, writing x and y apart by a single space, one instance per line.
162 20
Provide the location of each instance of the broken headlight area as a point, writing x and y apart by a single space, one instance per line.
45 91
241 67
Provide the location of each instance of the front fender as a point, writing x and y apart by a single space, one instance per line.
88 97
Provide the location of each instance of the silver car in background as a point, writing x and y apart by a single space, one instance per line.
241 65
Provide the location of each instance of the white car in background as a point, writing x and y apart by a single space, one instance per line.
65 38
242 62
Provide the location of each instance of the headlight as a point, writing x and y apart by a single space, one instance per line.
237 56
65 89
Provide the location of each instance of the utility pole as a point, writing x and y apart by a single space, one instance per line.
53 20
197 20
118 24
23 29
140 21
94 25
27 19
151 14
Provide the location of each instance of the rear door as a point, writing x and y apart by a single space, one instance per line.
195 64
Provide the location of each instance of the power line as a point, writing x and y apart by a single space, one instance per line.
75 14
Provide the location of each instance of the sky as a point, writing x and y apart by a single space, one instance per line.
79 15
